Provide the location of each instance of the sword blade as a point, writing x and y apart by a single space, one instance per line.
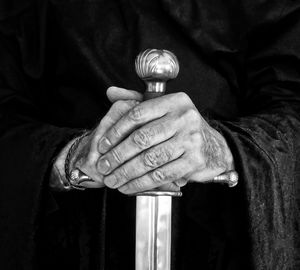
153 232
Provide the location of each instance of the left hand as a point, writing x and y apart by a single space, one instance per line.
159 142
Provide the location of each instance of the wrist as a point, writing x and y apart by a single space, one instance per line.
219 147
226 168
74 176
58 180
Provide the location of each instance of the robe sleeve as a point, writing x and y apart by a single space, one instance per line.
265 142
28 146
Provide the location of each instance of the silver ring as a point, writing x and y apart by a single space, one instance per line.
230 178
77 177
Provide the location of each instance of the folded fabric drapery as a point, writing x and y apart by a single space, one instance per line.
239 64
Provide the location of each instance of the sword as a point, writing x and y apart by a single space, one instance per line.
154 208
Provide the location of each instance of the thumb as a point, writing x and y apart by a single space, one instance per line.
116 93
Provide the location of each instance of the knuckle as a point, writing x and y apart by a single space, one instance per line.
142 137
183 97
149 159
196 139
117 156
118 107
174 176
123 175
118 104
138 186
158 177
135 113
131 103
116 133
201 163
126 105
157 157
161 128
197 161
192 115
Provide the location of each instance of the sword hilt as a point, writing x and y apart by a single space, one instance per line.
155 68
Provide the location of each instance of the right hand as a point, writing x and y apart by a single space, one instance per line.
86 155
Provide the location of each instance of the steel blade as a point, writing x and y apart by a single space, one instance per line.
153 232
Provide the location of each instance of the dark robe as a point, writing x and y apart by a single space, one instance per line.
239 63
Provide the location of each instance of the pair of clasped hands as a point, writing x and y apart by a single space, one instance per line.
142 145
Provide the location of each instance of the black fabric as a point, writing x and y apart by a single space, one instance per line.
239 63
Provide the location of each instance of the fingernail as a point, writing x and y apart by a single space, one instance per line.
103 165
104 145
110 181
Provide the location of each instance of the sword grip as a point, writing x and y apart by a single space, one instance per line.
150 95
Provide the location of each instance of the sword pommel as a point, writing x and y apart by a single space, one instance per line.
155 68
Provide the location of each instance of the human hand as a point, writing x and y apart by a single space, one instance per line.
158 142
86 155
